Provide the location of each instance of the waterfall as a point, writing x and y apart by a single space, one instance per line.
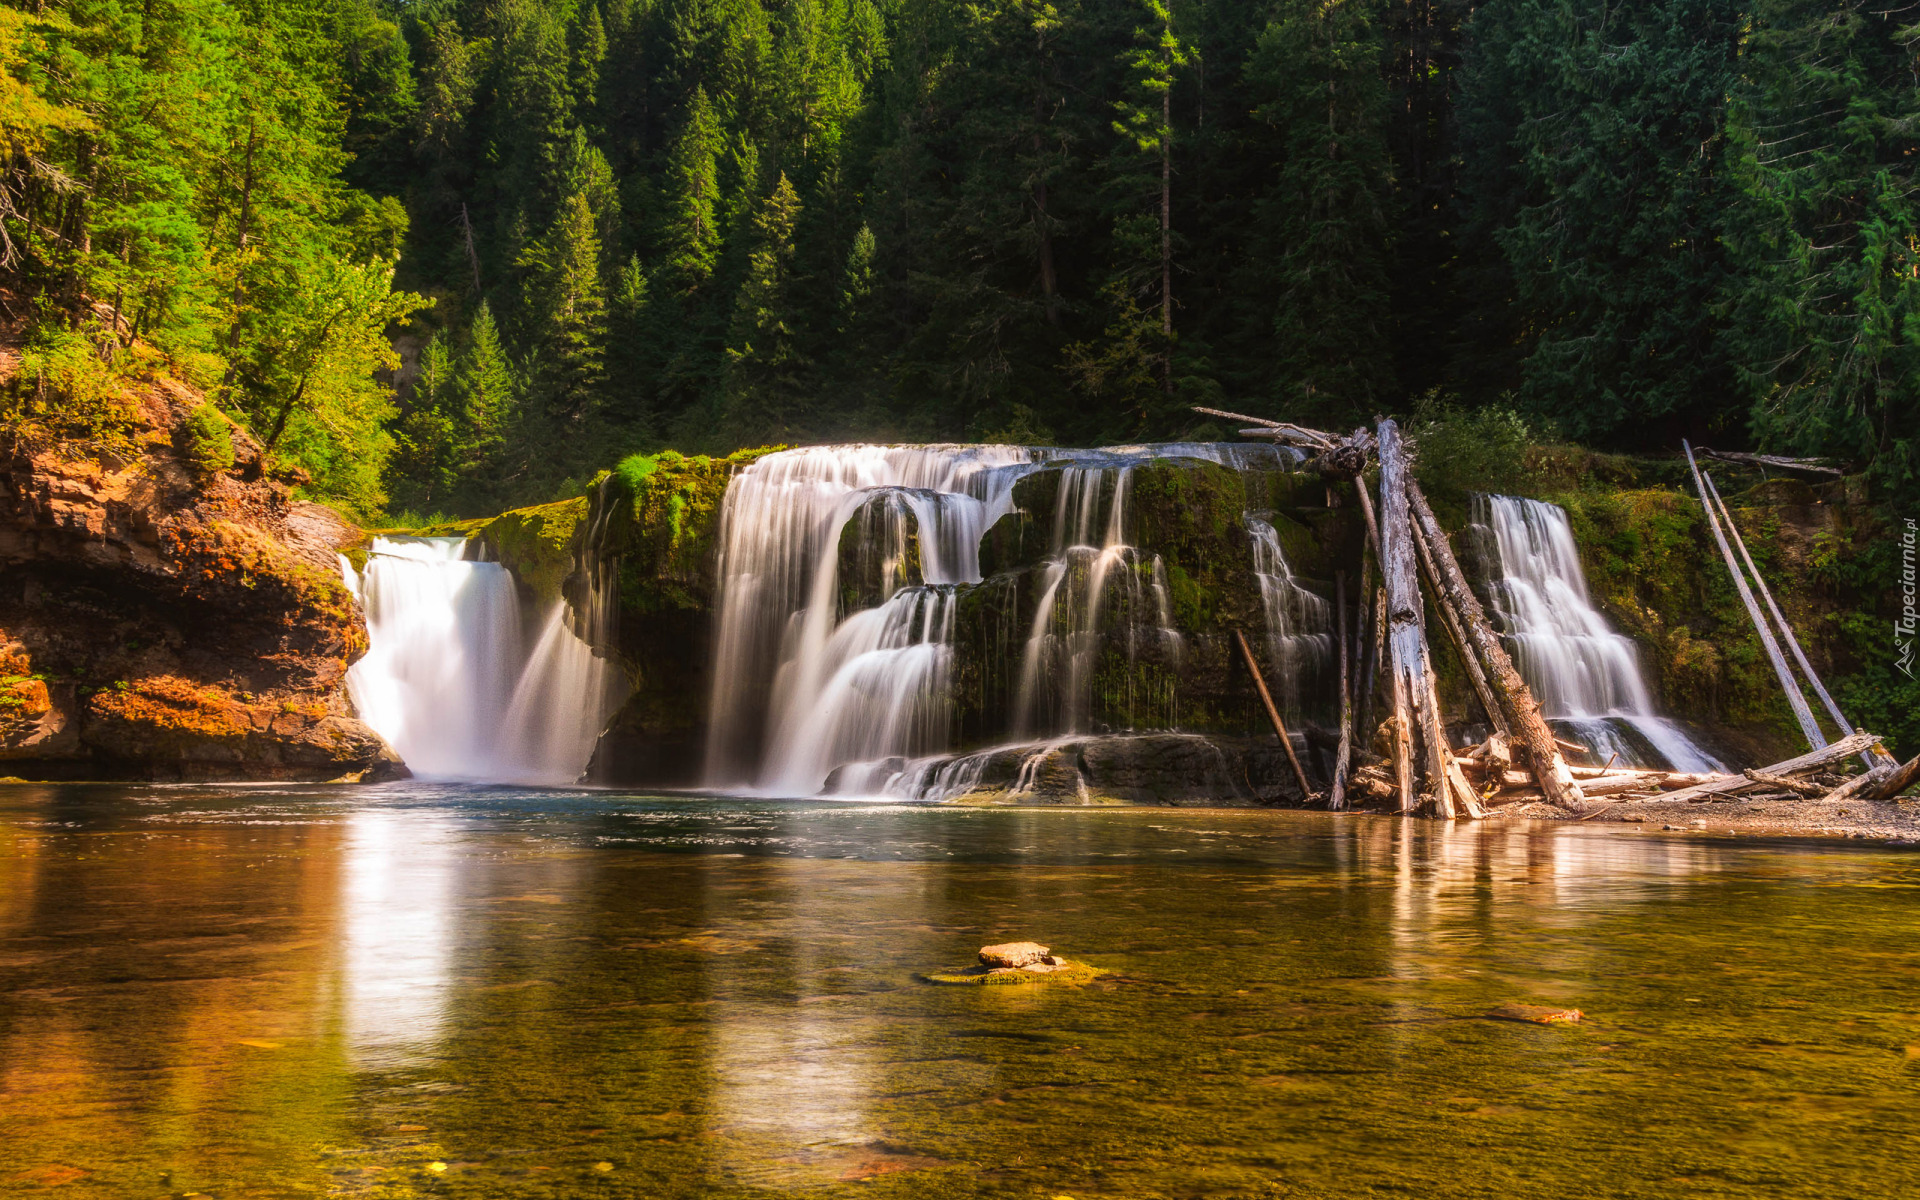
458 684
1299 623
841 570
780 602
1585 676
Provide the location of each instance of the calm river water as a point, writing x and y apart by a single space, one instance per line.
416 990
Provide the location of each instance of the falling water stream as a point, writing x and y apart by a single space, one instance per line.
862 700
1586 676
459 683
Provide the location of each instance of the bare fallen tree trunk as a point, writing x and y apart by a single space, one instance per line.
1406 641
1798 702
1780 619
1902 778
1843 748
1512 696
1811 466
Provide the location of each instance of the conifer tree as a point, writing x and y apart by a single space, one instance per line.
1827 306
1317 64
1146 121
569 310
765 367
691 234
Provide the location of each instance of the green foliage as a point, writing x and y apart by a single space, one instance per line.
171 181
207 442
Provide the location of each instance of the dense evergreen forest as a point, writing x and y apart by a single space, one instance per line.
449 255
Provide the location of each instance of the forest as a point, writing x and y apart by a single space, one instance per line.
447 256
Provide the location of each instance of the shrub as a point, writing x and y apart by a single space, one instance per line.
207 442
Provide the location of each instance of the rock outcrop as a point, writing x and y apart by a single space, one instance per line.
166 613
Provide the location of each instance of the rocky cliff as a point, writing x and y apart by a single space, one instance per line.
167 609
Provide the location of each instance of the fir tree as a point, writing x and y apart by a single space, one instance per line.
765 368
691 236
1318 63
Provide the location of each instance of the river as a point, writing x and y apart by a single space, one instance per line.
413 989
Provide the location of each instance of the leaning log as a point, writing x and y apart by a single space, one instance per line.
1780 619
1513 698
1798 702
1273 713
1406 641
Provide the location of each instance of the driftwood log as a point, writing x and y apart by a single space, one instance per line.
1406 639
1512 696
1780 619
1843 748
1811 466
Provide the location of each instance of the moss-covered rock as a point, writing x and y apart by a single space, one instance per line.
652 535
539 545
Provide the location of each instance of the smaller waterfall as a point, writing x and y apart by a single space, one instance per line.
455 683
1586 676
1299 623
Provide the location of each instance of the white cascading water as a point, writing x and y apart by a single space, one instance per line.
453 681
1299 623
779 601
1586 677
865 698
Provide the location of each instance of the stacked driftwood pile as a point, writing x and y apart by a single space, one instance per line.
1384 628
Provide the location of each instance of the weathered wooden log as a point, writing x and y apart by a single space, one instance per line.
1376 655
1273 713
1406 641
1903 777
1434 751
1275 429
1811 466
1844 748
1782 782
1864 786
1780 619
1795 700
1513 697
1337 794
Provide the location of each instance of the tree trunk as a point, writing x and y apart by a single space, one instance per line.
1512 696
1406 642
1468 659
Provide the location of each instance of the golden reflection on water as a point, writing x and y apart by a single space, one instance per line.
275 993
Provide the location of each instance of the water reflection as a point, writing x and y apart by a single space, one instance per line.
397 933
576 994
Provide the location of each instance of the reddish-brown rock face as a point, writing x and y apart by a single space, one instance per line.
156 624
